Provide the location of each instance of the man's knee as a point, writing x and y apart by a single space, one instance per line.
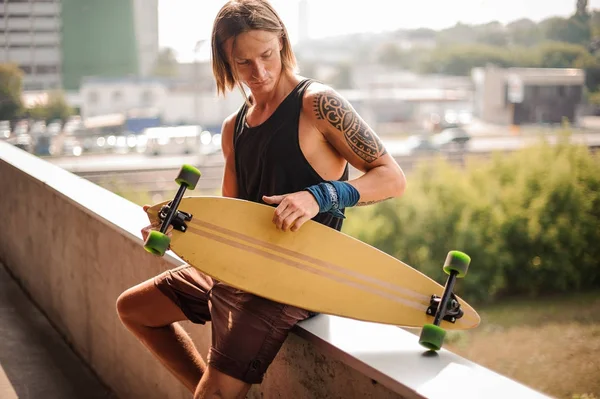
133 304
126 308
146 306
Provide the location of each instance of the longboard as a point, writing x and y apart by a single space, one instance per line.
316 268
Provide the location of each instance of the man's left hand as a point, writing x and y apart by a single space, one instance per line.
293 210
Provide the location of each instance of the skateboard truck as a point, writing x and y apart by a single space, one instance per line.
446 307
179 218
158 242
453 311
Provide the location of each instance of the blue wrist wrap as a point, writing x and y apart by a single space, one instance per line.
333 196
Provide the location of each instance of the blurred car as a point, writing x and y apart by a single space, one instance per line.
71 147
416 144
172 140
420 144
23 141
4 130
54 128
451 139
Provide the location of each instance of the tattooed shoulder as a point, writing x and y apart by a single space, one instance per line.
331 107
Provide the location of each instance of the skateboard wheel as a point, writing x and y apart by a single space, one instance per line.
189 176
432 337
157 243
457 261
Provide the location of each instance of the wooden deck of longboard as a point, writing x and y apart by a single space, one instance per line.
316 268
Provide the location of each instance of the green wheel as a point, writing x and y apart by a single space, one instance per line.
189 176
432 337
457 261
157 243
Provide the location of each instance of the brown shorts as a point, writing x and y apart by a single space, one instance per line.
247 330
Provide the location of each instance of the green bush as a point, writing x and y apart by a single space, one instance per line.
530 220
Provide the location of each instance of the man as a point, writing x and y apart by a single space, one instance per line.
288 146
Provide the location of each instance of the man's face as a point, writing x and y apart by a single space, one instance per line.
256 57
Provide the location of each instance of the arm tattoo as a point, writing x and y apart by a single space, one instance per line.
372 202
338 112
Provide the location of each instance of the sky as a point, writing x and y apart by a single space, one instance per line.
182 23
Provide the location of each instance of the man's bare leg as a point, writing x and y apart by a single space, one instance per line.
215 384
152 318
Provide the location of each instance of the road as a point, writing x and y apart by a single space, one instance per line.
142 162
140 173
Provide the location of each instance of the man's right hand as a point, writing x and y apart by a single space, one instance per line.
154 226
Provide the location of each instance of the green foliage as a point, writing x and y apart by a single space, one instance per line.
529 220
390 54
553 43
595 23
492 34
343 78
564 55
524 32
581 11
55 109
574 30
594 98
11 87
461 59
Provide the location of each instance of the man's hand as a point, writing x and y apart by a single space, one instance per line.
154 226
293 210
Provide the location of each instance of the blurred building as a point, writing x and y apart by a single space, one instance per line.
108 38
174 102
521 96
58 42
30 36
145 14
393 101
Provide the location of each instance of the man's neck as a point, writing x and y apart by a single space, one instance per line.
272 99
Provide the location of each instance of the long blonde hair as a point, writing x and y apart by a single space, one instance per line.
239 16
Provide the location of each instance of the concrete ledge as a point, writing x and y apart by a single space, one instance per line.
75 247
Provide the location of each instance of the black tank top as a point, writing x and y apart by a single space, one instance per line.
268 157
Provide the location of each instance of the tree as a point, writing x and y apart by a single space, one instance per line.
595 23
166 63
421 33
492 33
459 33
564 55
582 12
571 30
343 77
460 60
493 37
390 54
524 32
11 88
56 108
